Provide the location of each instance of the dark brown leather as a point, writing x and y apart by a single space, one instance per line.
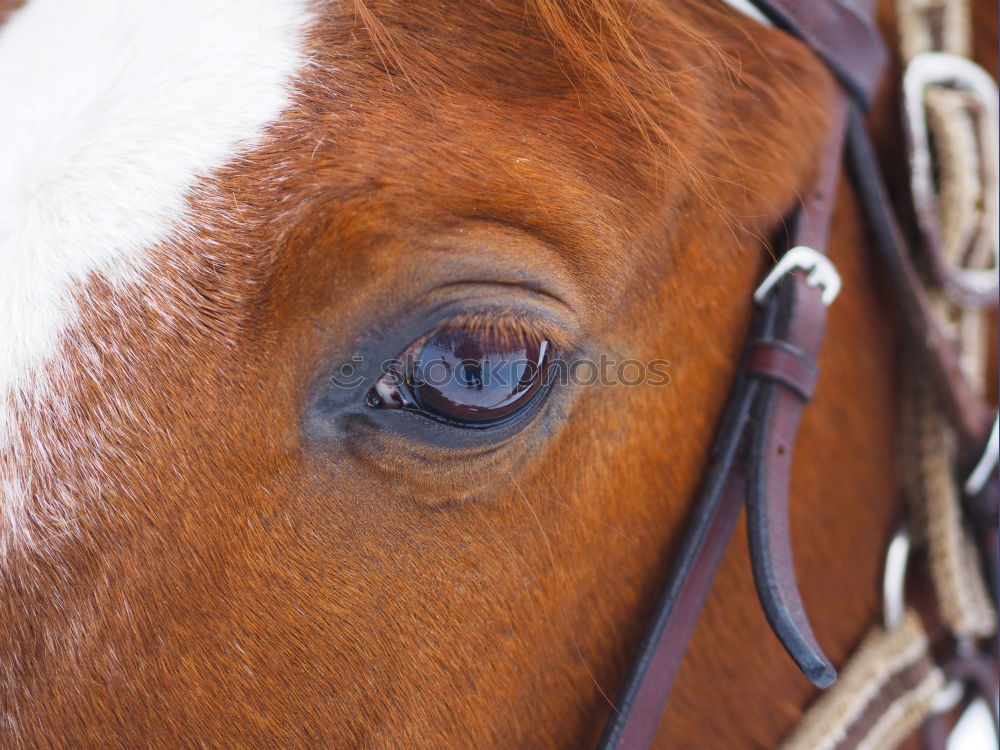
664 661
978 672
800 324
971 416
751 457
707 534
784 363
752 453
840 34
981 672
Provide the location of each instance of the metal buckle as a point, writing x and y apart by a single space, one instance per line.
948 698
967 286
897 558
986 465
821 273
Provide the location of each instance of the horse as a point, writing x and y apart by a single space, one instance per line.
223 523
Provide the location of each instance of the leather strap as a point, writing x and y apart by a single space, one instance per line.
708 532
786 364
800 321
970 415
840 35
800 325
752 453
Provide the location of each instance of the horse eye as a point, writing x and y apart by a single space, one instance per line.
465 376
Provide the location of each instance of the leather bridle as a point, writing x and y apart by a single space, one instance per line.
751 457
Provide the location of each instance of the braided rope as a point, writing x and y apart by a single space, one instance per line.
884 692
888 687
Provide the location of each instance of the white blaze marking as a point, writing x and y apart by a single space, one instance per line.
110 111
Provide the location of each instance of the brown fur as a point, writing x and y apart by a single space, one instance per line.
230 580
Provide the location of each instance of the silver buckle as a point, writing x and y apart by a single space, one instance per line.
897 557
987 464
969 286
821 273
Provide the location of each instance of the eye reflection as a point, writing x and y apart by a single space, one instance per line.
466 376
